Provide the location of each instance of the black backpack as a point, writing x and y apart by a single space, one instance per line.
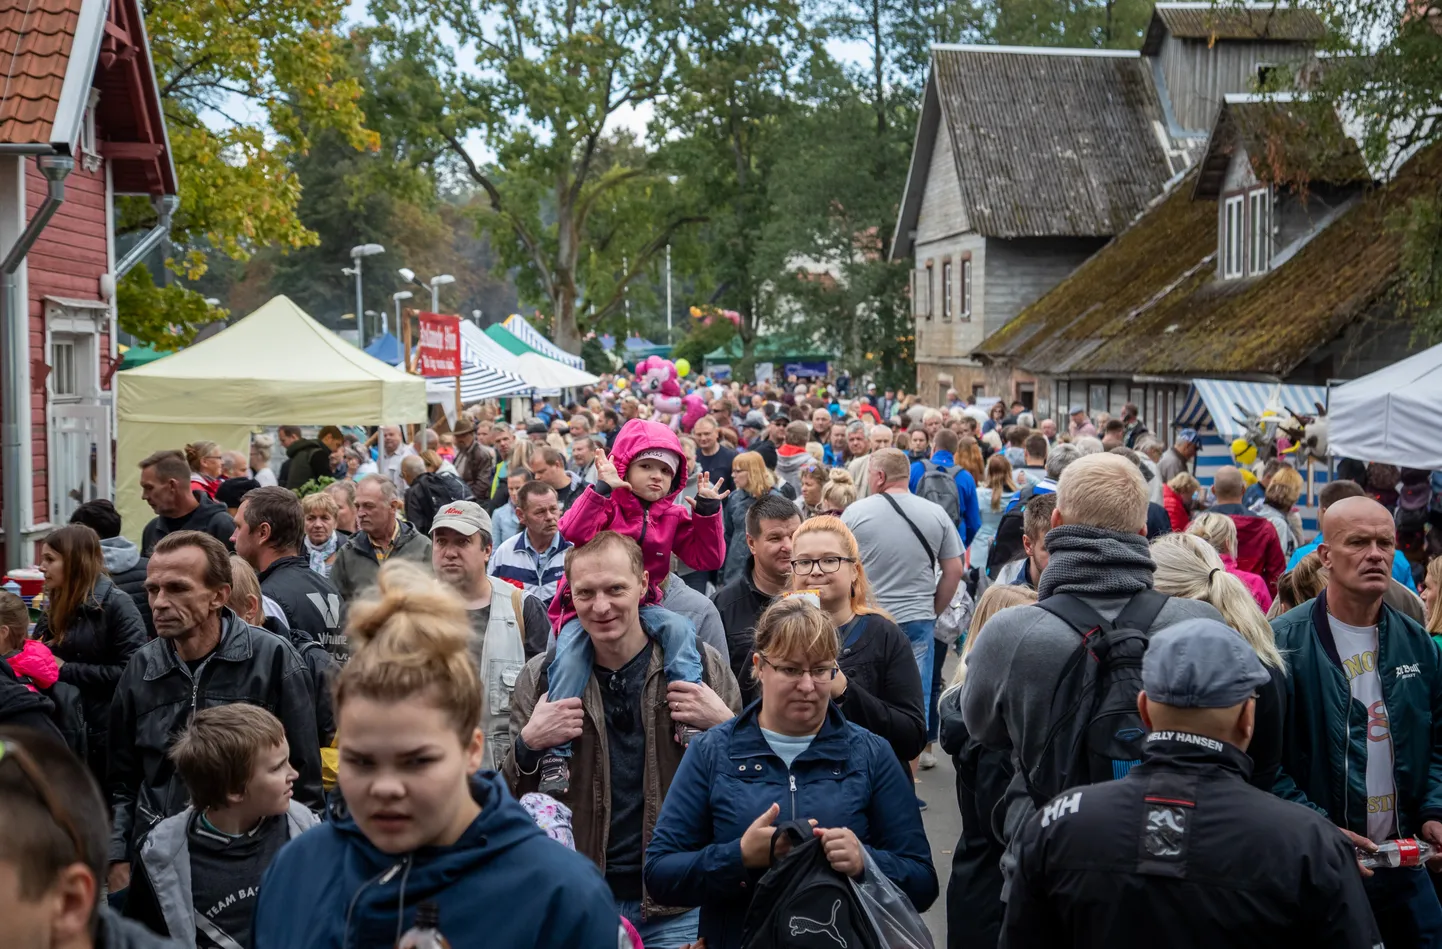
1006 546
801 903
1096 732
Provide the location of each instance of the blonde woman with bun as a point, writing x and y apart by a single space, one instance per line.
206 461
973 896
1188 566
838 493
418 821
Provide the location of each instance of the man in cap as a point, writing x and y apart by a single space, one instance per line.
536 431
1081 423
1183 851
1179 457
506 630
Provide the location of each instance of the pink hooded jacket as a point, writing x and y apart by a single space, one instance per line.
661 528
34 665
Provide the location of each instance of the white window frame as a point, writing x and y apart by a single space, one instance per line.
930 289
948 290
1234 214
966 288
1259 230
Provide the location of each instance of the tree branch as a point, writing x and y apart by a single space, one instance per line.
638 265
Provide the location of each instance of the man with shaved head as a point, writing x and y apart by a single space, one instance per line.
1363 715
1259 550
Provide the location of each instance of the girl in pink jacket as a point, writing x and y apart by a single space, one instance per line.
31 660
635 494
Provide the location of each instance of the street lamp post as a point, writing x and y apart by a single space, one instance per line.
398 296
357 253
434 286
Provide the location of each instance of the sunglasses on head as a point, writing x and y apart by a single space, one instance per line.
11 750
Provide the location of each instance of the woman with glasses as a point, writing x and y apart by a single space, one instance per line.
791 756
878 686
205 462
90 624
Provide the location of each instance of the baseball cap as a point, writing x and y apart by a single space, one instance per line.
536 427
1201 663
1189 435
463 517
753 421
664 455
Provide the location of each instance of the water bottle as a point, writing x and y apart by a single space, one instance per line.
426 933
1407 852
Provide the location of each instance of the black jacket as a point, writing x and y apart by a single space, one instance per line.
311 604
428 494
105 632
741 605
883 687
157 696
21 708
1183 852
306 460
116 932
210 517
973 894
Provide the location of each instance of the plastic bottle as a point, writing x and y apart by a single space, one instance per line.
1406 852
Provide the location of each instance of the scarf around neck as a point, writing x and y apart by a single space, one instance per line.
1095 562
319 555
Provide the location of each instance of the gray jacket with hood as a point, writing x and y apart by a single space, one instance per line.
127 571
165 859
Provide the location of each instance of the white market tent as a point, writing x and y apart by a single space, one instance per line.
276 366
1390 415
543 375
532 337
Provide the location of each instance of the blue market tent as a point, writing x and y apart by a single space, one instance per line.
386 348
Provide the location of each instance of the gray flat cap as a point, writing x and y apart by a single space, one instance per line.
1201 663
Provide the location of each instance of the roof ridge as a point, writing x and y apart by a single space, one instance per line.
1035 50
1192 5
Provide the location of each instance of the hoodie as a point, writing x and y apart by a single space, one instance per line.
503 883
790 459
209 517
127 571
662 527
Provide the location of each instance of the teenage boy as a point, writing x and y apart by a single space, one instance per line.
198 872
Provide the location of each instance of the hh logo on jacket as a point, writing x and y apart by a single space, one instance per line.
1061 807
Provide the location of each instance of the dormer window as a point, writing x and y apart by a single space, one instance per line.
1245 243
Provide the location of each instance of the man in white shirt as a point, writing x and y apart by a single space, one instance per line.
393 451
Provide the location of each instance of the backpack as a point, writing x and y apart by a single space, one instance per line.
1006 546
1096 732
938 485
1413 502
801 903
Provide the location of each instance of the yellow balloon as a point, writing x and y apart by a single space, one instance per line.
683 367
620 383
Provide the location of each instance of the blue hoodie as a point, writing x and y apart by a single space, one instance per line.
965 492
504 883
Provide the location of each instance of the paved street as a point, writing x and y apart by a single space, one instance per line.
937 788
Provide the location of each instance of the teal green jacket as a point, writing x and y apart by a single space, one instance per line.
1324 739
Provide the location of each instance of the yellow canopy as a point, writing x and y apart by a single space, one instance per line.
276 366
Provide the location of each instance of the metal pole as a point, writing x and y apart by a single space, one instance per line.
360 312
435 298
668 293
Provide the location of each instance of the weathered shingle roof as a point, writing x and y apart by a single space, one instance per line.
1050 142
1286 142
1149 304
1205 21
35 41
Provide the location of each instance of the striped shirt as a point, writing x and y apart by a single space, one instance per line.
537 572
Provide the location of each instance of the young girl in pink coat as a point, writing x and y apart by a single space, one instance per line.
635 494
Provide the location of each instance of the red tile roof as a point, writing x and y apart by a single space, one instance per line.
35 41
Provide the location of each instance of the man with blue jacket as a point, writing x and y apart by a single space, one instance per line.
1362 733
943 457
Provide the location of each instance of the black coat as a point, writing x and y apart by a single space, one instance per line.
98 643
1184 852
883 687
741 605
306 460
21 708
973 894
310 602
157 696
210 517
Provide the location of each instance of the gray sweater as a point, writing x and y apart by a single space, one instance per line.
1011 674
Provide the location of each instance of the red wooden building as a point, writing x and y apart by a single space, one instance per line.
78 89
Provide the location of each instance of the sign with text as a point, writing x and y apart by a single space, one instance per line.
440 349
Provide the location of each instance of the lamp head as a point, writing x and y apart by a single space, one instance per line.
409 274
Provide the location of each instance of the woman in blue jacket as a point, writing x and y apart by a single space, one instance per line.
418 823
789 756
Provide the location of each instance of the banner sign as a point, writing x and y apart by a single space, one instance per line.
807 370
440 349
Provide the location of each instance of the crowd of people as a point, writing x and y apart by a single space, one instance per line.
332 701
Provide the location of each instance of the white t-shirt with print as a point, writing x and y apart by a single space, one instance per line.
1357 648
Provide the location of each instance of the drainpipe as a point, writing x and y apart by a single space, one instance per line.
14 337
165 206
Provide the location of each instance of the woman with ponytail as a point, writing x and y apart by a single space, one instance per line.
1188 566
205 463
417 822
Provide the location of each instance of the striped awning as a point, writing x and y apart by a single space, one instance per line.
1223 402
516 324
480 381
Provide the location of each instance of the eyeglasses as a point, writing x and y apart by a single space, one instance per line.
818 674
13 751
833 512
827 564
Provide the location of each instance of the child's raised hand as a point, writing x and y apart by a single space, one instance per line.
606 470
705 489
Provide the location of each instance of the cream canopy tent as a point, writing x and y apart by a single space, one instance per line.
276 366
